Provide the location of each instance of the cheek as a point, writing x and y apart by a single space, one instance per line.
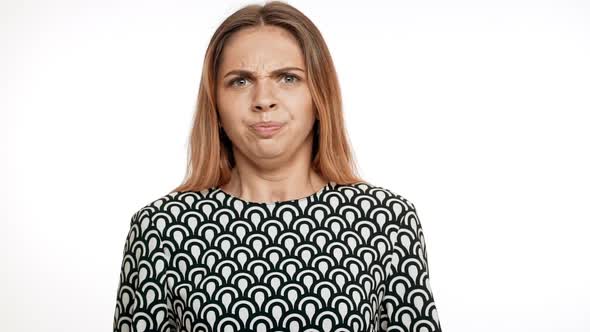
298 103
228 110
301 112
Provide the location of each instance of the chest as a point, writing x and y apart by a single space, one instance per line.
230 273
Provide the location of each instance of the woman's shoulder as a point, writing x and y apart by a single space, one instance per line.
383 193
172 203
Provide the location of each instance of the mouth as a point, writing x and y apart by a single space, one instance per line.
267 129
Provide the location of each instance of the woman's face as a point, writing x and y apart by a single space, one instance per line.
262 77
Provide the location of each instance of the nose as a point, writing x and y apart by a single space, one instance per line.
264 99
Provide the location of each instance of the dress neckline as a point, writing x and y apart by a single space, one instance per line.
316 194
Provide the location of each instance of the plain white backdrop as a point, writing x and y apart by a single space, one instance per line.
476 111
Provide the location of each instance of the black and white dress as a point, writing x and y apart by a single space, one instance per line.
346 258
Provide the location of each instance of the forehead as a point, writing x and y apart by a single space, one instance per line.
260 48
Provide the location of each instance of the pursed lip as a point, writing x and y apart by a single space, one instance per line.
268 124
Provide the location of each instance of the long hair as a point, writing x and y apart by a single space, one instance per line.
210 155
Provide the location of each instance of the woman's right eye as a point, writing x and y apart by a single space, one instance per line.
232 82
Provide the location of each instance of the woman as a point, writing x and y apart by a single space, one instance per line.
272 230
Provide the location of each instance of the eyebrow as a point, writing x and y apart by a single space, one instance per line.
249 73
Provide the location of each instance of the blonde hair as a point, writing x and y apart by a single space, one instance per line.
210 156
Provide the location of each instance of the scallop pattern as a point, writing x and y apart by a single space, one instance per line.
350 257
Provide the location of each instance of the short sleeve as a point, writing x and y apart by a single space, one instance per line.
408 303
142 294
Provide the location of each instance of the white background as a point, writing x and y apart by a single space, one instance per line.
476 111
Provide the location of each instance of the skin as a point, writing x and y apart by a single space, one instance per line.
277 168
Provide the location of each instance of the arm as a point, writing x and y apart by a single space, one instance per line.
141 302
408 303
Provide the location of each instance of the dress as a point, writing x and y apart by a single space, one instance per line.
350 257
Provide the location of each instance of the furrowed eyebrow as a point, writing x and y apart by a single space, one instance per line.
247 73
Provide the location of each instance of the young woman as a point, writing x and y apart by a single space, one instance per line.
272 230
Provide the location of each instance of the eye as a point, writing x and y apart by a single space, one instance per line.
291 80
287 75
231 83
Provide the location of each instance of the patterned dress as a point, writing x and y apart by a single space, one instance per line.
350 257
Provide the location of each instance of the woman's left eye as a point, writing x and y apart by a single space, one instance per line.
292 76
